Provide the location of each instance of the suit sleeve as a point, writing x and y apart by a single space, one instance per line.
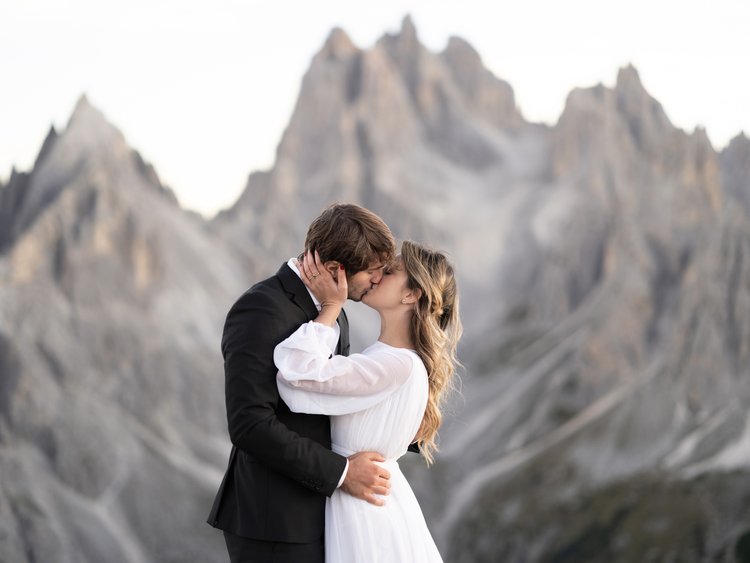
253 328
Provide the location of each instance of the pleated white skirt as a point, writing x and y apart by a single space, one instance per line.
359 532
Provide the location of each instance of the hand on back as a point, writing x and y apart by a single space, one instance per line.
365 478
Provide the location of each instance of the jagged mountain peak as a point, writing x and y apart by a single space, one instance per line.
338 45
700 136
738 150
87 114
91 142
89 155
486 97
464 63
406 41
358 108
739 140
627 94
629 79
628 85
408 29
49 142
83 107
458 47
88 130
628 104
635 100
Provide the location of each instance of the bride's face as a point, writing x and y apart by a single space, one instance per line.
391 290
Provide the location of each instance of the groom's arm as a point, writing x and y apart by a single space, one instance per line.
252 329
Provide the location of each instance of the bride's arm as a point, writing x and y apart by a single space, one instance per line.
311 379
305 360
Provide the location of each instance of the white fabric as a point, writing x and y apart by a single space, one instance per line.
376 400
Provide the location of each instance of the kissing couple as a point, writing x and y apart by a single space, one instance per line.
313 474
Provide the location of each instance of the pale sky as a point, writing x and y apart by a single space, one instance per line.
203 89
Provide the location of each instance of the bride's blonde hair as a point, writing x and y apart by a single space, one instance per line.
435 329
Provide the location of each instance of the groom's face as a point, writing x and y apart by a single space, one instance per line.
361 282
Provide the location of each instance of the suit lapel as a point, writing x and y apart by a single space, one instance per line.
297 291
342 348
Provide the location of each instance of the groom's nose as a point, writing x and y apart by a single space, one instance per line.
376 277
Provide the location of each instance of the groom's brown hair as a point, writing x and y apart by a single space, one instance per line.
351 235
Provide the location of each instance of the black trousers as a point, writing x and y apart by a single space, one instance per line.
245 550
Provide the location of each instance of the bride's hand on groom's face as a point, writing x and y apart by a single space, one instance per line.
365 478
327 282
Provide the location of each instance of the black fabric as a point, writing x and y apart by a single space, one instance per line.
245 550
280 468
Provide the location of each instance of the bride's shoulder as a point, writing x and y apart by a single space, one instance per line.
407 357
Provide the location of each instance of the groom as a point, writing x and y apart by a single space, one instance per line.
271 503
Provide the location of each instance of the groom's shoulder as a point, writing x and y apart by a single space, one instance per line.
268 291
268 288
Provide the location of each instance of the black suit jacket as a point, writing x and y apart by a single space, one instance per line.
281 466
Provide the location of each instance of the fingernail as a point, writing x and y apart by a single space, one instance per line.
341 266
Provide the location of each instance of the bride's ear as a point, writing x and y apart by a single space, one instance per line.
412 296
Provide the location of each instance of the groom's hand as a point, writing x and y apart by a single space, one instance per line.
365 478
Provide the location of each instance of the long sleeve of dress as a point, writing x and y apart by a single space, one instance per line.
313 380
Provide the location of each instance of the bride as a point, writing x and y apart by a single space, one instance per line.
383 399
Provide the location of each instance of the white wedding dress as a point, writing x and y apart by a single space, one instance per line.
376 400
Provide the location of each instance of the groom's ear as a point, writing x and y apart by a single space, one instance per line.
332 266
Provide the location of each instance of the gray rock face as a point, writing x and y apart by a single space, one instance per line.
11 199
111 413
629 356
735 166
604 267
487 98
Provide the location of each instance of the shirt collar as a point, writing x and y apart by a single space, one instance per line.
293 266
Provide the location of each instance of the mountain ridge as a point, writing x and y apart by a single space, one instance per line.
602 266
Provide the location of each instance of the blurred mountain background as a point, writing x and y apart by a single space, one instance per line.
604 265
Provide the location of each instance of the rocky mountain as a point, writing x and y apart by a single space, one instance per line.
605 280
432 142
623 377
111 303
